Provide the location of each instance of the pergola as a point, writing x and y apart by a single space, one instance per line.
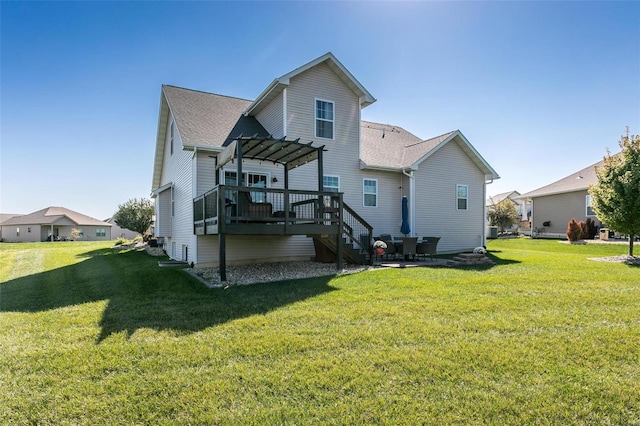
289 153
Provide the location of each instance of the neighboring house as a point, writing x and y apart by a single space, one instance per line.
54 221
312 114
118 232
522 206
554 205
3 218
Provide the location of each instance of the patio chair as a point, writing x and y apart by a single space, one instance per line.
428 246
390 251
409 247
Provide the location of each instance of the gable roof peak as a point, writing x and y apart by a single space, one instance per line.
280 83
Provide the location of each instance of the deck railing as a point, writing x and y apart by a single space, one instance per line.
230 205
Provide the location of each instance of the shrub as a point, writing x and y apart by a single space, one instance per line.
573 230
584 232
592 229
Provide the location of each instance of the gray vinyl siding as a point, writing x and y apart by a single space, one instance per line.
559 209
244 249
163 214
205 173
178 168
436 209
271 117
341 157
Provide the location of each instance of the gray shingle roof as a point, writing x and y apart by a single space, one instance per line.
577 181
389 146
498 198
51 215
207 119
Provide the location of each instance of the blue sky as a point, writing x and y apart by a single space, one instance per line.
541 89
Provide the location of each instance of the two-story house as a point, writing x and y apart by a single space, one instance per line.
312 168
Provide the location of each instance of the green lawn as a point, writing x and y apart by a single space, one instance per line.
94 336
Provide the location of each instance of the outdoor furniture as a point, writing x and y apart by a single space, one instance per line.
409 247
428 246
282 214
365 243
249 209
391 247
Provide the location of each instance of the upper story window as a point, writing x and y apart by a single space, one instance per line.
324 119
462 195
370 192
331 183
589 209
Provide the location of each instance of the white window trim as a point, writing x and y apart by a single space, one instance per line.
368 193
587 203
458 186
331 176
315 118
245 172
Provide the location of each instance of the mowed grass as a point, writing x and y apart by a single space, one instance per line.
94 336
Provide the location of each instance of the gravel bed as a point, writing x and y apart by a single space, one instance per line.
625 258
269 272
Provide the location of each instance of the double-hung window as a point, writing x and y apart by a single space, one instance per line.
324 119
589 208
331 183
101 232
370 192
462 195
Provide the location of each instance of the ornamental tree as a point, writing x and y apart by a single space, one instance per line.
135 214
615 198
503 214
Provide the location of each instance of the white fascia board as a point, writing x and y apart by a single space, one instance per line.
164 187
196 147
365 166
276 85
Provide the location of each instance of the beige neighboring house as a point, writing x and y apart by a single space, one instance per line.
4 217
54 221
554 205
118 232
522 206
316 170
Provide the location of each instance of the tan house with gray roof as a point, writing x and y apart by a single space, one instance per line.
314 111
53 221
554 205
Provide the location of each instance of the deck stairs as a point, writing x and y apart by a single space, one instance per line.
357 239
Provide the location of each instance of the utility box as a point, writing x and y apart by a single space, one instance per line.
492 232
605 234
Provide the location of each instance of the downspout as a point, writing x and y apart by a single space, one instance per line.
483 238
284 112
412 197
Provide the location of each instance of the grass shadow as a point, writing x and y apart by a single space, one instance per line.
140 294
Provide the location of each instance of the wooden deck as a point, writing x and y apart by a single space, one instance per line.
238 210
